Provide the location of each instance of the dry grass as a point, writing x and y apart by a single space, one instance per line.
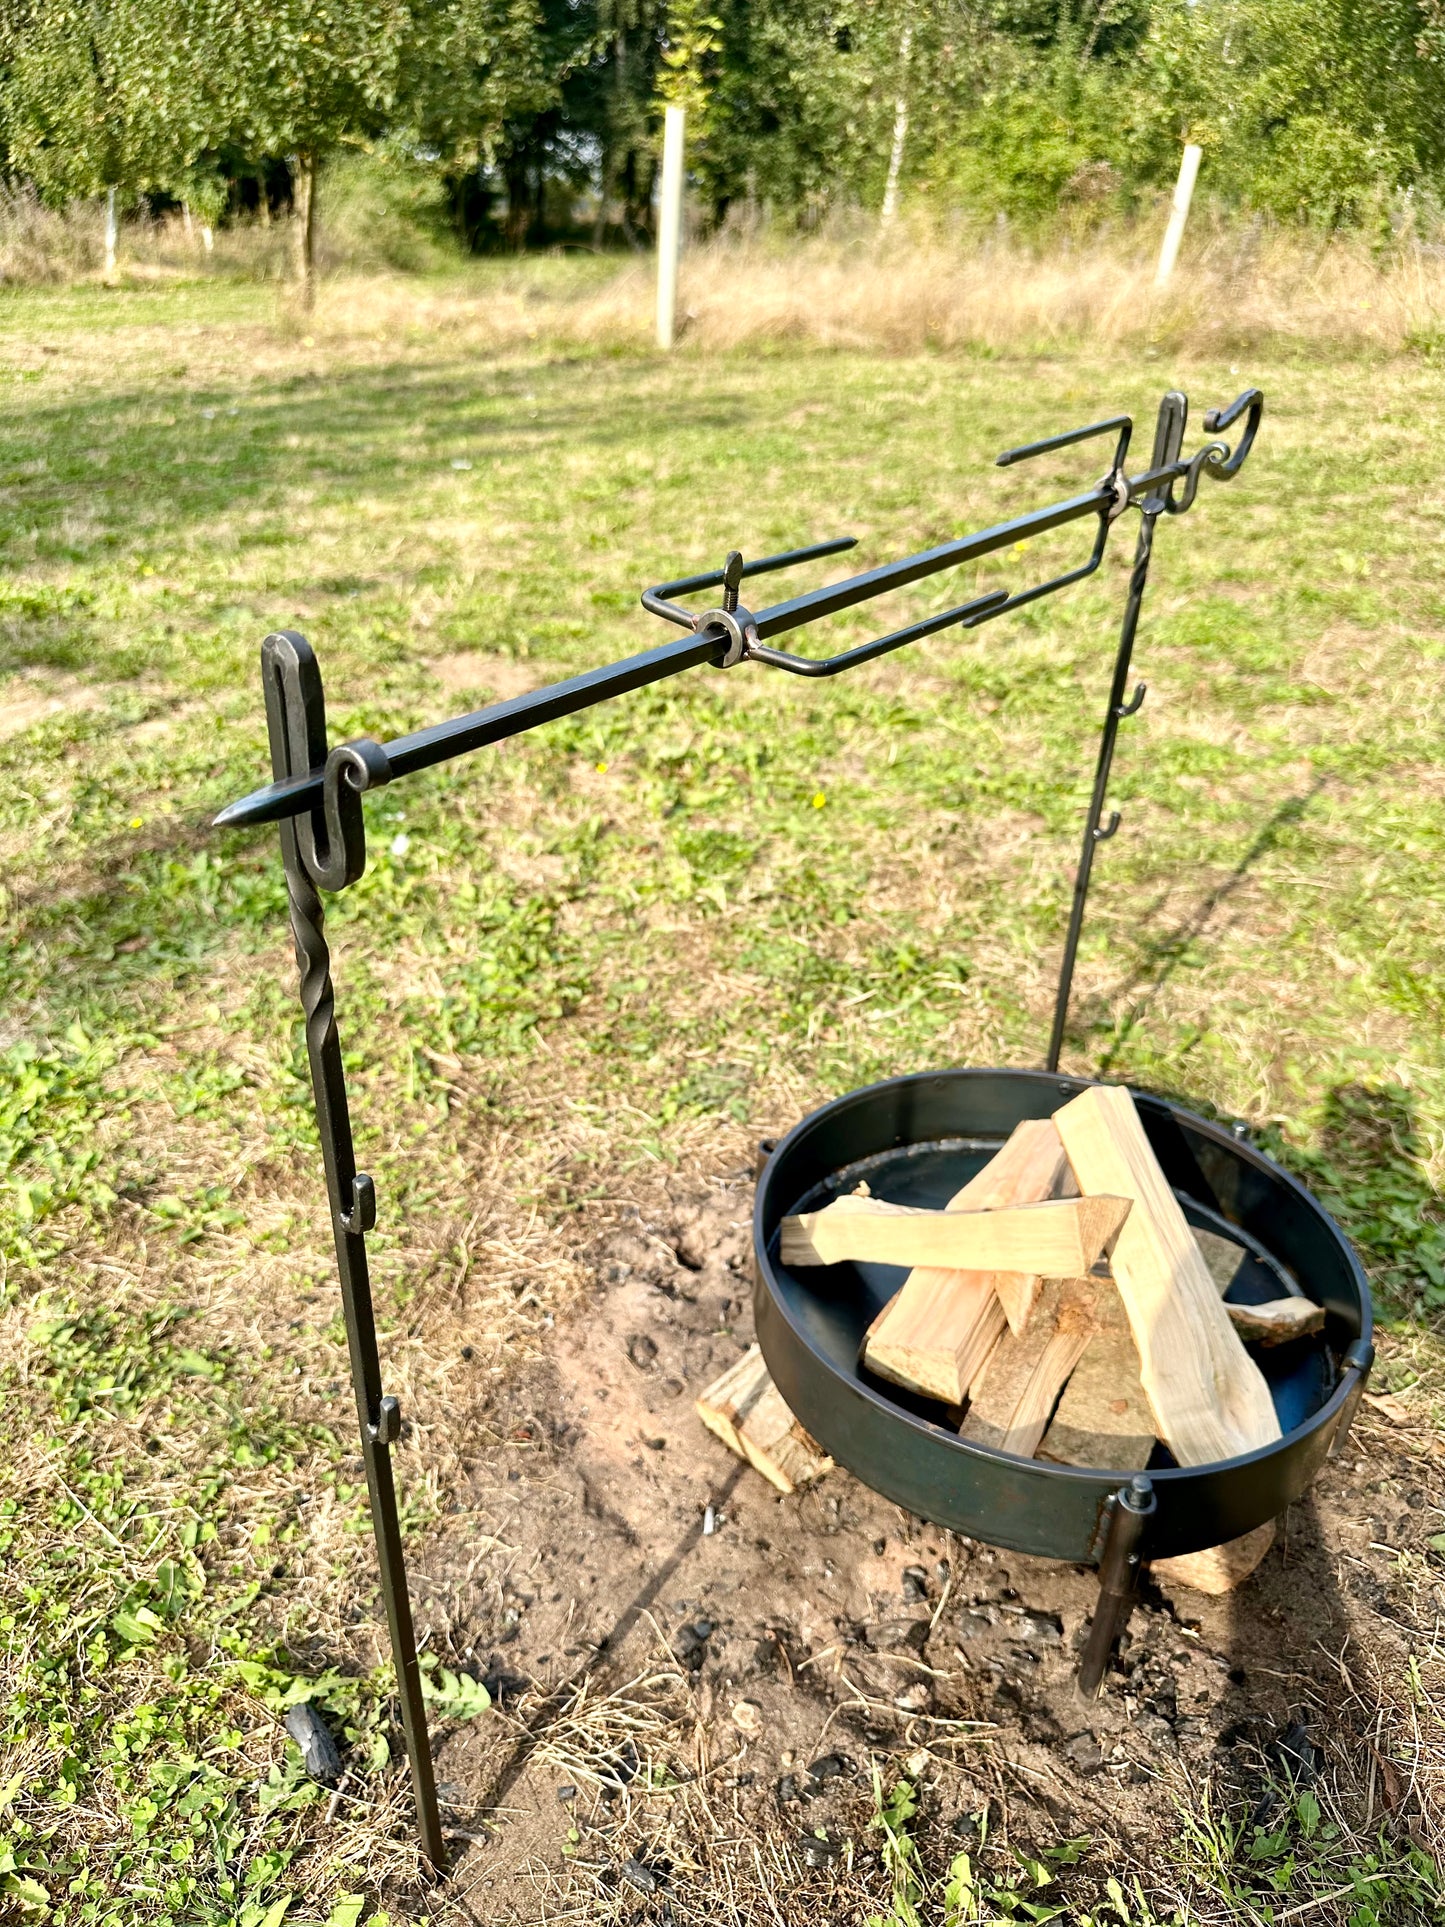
1243 286
1240 290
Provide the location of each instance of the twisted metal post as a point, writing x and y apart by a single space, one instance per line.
296 719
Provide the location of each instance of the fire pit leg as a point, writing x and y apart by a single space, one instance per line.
1118 1574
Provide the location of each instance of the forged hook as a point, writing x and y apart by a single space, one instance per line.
1134 704
1102 836
332 840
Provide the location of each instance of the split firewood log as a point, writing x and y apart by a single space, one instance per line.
1063 1238
1208 1397
1103 1418
1011 1406
1221 1568
751 1417
936 1335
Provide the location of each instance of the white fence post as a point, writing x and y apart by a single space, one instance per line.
1179 213
669 224
111 234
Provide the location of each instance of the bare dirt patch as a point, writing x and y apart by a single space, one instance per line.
502 677
28 700
692 1670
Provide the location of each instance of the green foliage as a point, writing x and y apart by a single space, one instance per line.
1318 111
99 96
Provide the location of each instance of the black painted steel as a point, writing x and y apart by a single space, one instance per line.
1168 440
296 719
1128 1513
916 1139
732 633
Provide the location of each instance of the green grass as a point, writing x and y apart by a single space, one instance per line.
636 938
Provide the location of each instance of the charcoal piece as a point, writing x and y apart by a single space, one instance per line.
789 1791
1083 1753
831 1766
318 1750
1295 1754
620 1770
691 1643
915 1584
639 1876
819 1851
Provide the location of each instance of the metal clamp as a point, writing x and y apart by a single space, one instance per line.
1358 1361
1128 1510
736 622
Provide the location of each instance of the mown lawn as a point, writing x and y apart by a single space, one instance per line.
633 941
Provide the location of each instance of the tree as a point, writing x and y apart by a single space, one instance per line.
1316 110
88 85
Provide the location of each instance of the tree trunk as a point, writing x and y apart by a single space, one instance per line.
900 131
263 198
519 201
303 218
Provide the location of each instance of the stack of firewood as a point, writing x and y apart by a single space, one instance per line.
1059 1307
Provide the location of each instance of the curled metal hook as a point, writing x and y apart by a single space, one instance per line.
1134 704
1221 418
1213 457
1102 836
332 840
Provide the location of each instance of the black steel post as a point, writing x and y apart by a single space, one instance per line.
1168 439
1118 1578
296 718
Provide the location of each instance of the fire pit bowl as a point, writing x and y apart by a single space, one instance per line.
915 1140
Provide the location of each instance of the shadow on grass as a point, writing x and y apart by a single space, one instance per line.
1161 956
1370 1169
104 478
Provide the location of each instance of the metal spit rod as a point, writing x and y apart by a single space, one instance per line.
710 637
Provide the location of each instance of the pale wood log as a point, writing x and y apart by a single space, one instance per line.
1063 1238
751 1417
939 1356
1272 1323
938 1333
1208 1396
1011 1407
1221 1568
1030 1168
1103 1418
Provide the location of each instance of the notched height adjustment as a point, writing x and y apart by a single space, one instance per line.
362 1215
385 1428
